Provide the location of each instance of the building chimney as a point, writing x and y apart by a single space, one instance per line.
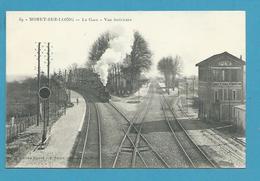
240 57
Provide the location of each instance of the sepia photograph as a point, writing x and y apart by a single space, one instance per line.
125 89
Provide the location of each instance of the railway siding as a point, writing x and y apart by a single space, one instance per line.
225 151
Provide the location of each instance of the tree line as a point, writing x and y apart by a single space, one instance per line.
133 64
21 96
138 61
169 67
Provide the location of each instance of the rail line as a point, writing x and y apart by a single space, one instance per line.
194 154
86 139
239 141
88 153
218 140
224 146
138 137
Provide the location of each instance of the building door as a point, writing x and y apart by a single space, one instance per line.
216 111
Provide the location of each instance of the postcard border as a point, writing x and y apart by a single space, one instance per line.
252 97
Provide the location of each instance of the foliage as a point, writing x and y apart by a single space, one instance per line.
21 96
169 67
99 47
138 61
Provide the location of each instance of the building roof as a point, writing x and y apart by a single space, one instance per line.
242 106
222 55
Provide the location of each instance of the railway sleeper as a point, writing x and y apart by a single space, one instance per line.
127 149
144 149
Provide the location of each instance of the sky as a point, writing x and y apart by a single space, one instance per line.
192 35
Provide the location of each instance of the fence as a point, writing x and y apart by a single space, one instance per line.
20 125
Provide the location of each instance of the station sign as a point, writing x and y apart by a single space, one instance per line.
44 93
227 83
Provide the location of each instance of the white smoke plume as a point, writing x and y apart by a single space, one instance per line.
119 47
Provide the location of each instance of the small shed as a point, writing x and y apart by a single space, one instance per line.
239 117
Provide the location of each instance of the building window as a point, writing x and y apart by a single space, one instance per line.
220 94
214 75
217 75
223 75
216 95
228 75
234 75
234 95
225 94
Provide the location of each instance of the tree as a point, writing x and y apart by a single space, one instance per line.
138 61
98 48
169 67
73 67
72 71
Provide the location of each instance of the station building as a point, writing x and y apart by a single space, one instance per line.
221 86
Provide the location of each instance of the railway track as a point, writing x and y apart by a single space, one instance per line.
135 147
229 146
225 146
92 145
88 149
241 142
194 154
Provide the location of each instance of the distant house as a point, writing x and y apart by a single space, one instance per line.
221 79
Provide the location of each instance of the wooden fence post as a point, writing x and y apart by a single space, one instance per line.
16 130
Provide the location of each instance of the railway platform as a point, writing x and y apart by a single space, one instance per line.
61 138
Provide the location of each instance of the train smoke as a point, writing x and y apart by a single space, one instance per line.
119 47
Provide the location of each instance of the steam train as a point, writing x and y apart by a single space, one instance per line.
86 80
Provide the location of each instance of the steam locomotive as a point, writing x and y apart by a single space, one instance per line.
88 81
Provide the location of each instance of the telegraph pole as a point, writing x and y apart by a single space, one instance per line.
65 76
65 85
119 83
116 79
69 84
187 95
44 94
111 77
39 84
229 99
193 83
178 88
48 84
44 123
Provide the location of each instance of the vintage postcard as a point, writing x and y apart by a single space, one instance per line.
125 89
